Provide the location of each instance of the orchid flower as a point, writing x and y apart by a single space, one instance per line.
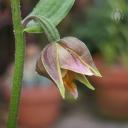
65 61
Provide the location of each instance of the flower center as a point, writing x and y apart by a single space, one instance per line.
68 79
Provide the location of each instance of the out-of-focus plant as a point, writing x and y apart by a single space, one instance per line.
105 25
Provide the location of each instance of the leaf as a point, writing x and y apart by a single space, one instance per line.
84 80
53 10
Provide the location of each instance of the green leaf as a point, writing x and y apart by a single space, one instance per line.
54 10
84 80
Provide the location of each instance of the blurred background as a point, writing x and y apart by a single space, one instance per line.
103 26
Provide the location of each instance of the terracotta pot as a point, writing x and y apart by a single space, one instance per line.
39 107
112 91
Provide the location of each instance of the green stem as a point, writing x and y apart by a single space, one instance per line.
19 63
49 29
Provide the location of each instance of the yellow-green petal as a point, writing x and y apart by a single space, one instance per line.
81 78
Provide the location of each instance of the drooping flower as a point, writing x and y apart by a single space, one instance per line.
65 61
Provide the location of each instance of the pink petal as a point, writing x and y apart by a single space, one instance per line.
51 64
79 48
70 62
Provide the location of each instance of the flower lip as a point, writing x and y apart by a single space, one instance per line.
69 84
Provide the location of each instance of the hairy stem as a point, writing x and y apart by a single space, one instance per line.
19 63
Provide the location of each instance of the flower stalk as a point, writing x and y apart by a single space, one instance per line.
19 64
47 26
